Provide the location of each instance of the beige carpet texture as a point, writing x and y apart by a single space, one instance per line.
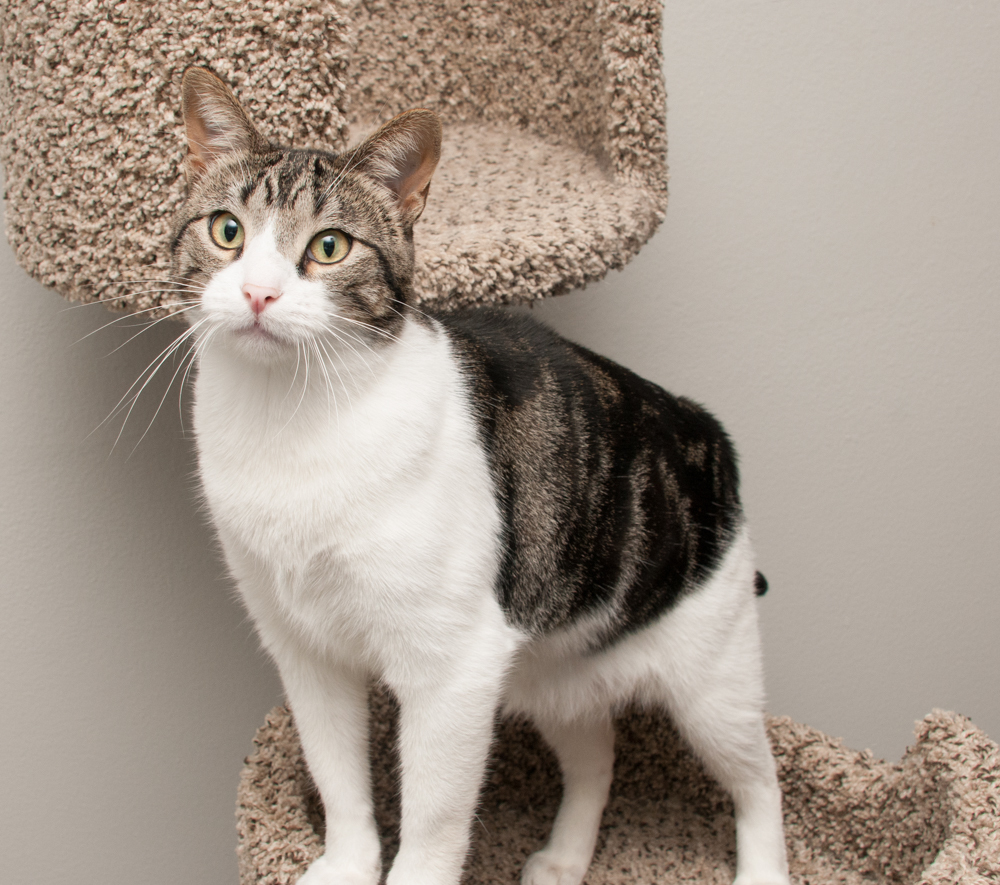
931 819
553 169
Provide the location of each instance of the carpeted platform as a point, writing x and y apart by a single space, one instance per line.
933 818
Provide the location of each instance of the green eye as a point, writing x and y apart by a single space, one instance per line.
329 246
226 231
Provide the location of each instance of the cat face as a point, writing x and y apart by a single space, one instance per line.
293 247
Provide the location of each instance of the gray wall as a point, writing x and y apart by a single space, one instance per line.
826 282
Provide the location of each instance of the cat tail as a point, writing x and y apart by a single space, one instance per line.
759 584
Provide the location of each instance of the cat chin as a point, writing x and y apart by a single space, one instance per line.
260 345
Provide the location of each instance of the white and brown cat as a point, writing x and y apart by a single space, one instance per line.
465 507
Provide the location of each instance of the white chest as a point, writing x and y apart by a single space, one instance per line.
359 519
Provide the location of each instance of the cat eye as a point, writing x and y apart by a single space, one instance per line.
226 230
329 246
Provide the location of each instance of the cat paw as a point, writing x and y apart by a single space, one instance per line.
763 879
543 868
328 871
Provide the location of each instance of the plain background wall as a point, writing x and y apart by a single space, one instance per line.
826 281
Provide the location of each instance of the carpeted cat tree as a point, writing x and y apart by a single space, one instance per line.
850 819
553 171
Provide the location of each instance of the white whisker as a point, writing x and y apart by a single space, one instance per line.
342 335
295 375
145 328
159 362
175 285
170 384
304 351
330 393
130 398
129 316
381 332
201 342
333 365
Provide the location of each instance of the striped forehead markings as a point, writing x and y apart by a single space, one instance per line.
249 188
262 175
291 174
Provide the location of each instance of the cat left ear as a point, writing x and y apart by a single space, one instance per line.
214 120
402 156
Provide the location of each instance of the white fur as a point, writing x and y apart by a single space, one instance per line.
354 504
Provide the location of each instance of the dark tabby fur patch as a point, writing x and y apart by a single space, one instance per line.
616 496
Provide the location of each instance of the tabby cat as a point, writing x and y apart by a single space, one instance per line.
465 507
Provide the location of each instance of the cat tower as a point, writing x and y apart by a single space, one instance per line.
553 172
553 168
850 819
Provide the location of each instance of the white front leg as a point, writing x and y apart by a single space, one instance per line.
444 740
330 705
586 753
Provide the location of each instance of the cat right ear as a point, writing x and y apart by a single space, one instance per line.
214 121
402 157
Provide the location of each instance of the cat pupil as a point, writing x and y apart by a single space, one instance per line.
230 230
329 244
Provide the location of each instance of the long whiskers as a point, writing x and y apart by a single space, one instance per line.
295 374
159 362
128 400
333 365
147 326
170 286
192 353
300 349
344 337
171 289
331 394
368 327
201 342
189 305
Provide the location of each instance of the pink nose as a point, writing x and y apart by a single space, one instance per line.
260 297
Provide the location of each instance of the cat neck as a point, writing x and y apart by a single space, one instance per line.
328 387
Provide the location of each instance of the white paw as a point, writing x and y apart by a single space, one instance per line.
543 868
327 870
762 879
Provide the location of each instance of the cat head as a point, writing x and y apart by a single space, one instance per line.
282 247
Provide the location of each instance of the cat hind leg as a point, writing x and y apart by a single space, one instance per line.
715 698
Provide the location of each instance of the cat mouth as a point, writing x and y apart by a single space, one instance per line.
256 332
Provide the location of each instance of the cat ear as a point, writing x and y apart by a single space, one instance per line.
214 120
402 156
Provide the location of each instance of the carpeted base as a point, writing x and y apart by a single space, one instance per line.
934 818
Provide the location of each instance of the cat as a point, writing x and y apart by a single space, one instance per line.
464 506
